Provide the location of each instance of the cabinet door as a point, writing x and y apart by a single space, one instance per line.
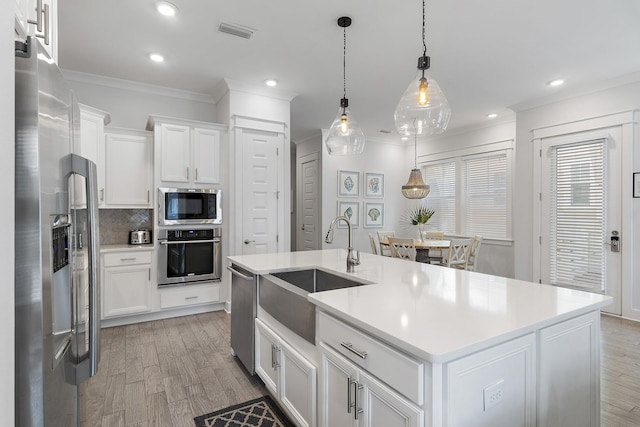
297 386
267 357
385 408
91 144
336 398
126 290
206 156
174 163
127 171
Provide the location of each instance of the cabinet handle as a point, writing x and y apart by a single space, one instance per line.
38 21
102 194
187 173
149 274
358 410
128 259
46 36
148 196
196 174
193 297
273 356
349 346
349 404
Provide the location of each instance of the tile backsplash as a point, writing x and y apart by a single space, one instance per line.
115 224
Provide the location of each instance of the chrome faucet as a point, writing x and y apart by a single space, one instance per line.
351 260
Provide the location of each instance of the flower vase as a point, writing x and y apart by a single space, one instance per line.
421 232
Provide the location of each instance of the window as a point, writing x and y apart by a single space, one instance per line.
470 192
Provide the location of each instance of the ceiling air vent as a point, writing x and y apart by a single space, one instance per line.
236 30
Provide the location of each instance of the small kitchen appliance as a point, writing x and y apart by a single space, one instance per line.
140 237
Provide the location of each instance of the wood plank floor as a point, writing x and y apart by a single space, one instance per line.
167 372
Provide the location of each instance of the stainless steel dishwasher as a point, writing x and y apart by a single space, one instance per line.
244 287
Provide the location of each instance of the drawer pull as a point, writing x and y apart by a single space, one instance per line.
128 259
193 297
349 346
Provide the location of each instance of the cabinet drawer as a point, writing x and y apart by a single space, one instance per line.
115 259
404 374
189 295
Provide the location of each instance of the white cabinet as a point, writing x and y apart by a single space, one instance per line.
287 375
128 169
349 396
494 387
183 296
188 153
30 13
126 282
92 123
569 380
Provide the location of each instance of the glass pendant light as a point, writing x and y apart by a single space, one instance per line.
345 136
415 188
423 108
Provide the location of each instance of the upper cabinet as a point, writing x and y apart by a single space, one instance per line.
92 123
128 168
187 152
38 18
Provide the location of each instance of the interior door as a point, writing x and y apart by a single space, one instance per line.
580 212
260 191
309 209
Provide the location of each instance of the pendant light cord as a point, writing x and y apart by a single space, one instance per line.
415 151
424 43
344 62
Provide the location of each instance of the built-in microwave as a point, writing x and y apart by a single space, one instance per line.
189 206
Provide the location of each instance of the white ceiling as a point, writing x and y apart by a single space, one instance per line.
490 56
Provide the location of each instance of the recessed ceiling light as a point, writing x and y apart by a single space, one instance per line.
165 8
156 57
404 138
271 82
492 116
556 82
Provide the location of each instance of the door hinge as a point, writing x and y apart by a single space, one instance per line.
540 196
541 152
540 239
277 238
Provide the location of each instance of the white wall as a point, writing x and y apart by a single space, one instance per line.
130 103
497 257
609 101
378 157
7 162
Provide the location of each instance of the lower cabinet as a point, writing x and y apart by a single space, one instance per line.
349 396
289 377
126 283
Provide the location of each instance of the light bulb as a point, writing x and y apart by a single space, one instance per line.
344 125
423 96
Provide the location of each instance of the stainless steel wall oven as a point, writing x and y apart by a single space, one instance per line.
189 256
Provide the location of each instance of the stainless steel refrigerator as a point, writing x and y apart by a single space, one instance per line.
57 317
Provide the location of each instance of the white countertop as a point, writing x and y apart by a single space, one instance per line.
436 313
125 247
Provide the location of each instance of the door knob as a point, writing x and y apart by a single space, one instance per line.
247 241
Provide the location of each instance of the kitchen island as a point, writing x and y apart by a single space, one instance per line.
423 345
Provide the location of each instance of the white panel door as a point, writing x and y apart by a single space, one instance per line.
309 235
580 212
260 191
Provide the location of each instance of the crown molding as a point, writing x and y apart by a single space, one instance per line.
227 85
129 85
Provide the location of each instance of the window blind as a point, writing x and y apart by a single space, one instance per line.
441 177
577 216
484 195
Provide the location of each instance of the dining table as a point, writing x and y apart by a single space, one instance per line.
423 247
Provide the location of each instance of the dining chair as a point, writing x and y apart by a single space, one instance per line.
384 235
474 250
374 250
434 254
402 248
459 253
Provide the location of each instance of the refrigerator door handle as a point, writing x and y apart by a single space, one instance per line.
87 169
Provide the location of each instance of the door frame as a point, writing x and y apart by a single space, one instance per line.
239 125
624 120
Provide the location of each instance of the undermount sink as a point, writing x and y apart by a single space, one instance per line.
284 296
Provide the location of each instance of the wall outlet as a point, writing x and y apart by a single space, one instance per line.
493 395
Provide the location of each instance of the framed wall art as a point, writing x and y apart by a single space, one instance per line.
352 211
373 215
373 185
348 184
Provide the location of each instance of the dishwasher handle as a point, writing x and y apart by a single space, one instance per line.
237 273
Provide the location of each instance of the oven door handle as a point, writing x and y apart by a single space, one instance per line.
180 242
237 273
